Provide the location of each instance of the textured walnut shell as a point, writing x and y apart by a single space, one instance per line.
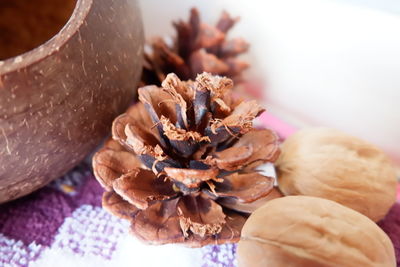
310 231
326 163
58 100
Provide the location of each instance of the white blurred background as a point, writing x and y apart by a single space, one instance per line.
319 62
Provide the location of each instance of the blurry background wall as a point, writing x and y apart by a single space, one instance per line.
319 62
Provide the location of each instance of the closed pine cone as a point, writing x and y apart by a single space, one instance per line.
178 155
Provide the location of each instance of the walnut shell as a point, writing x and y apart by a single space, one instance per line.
326 163
310 231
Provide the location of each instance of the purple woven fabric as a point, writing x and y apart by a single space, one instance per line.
66 217
37 217
391 225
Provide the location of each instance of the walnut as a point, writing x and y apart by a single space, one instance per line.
329 164
310 231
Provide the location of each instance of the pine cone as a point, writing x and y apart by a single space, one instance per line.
197 48
182 162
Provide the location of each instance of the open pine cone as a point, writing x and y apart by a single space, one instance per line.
183 155
197 48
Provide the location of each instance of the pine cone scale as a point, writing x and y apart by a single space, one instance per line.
191 178
233 203
202 61
141 187
209 36
245 188
117 206
158 224
232 158
234 47
157 103
226 22
200 215
111 164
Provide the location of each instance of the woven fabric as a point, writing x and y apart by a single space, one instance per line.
63 224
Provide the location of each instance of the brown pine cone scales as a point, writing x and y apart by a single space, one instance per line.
197 48
179 155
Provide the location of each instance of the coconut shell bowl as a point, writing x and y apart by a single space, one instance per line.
67 68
